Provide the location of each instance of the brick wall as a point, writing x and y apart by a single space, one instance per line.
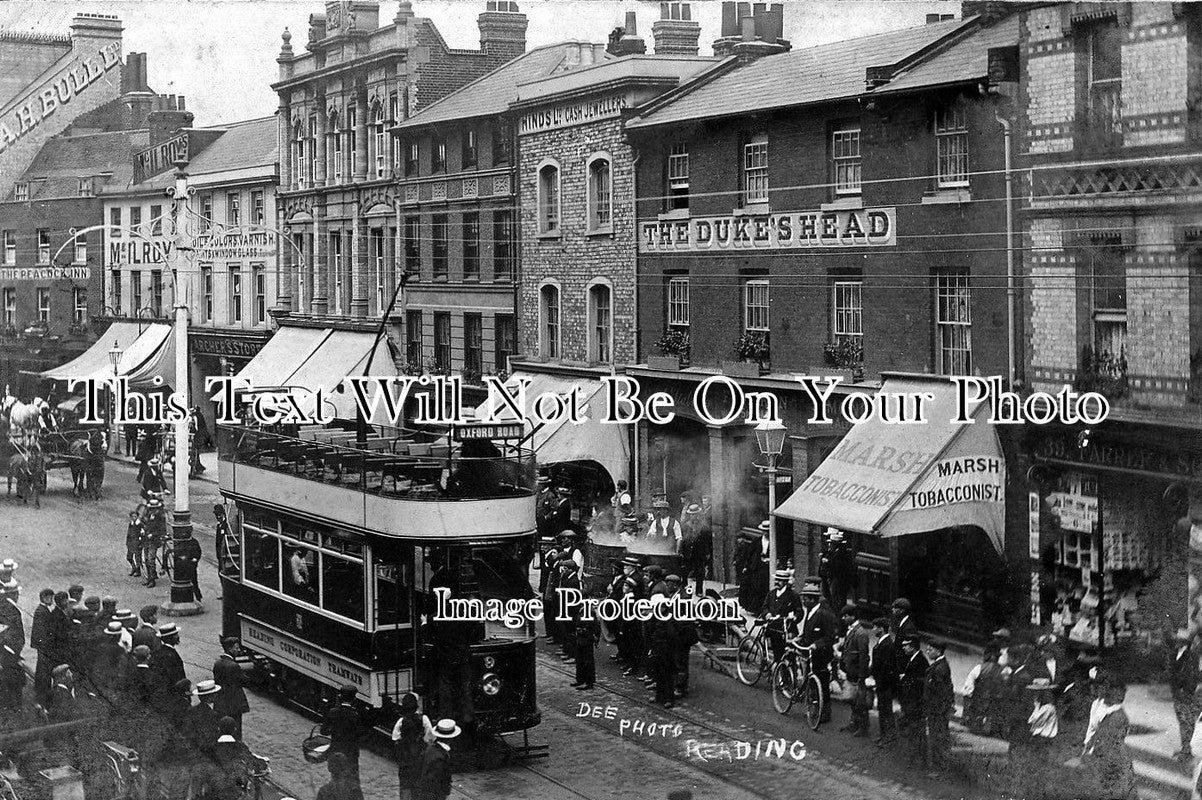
1155 77
1052 310
1158 327
576 257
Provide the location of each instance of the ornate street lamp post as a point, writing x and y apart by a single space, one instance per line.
770 437
115 360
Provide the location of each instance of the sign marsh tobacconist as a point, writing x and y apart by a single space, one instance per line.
848 228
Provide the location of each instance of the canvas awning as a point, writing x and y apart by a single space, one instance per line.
312 358
558 442
891 480
94 362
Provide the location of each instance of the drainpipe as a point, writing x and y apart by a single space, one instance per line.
1010 289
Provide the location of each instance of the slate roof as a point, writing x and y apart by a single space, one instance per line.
245 144
966 60
798 77
650 67
492 93
60 163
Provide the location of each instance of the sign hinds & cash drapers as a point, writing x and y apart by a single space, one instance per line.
874 227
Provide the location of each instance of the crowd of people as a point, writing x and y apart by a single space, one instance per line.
117 676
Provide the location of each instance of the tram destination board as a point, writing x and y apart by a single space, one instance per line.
489 430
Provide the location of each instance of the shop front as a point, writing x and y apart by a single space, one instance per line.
219 353
1111 537
915 511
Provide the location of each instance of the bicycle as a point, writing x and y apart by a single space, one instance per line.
752 658
793 680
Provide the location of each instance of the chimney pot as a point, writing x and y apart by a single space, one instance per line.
748 29
631 26
181 103
730 19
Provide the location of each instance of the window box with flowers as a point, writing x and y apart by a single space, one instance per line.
846 354
674 350
1102 372
752 347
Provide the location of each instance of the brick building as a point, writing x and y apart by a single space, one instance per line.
339 165
576 190
51 302
1114 304
832 210
459 200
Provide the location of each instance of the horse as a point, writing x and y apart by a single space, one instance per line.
87 464
25 421
29 468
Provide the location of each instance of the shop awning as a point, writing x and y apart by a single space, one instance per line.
151 356
282 355
312 358
95 360
891 480
558 442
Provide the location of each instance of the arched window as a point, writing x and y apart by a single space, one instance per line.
298 156
381 141
548 198
600 323
549 317
600 195
334 147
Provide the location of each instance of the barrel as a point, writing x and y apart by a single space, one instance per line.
598 565
671 563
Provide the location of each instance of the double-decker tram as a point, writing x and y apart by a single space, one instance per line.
341 536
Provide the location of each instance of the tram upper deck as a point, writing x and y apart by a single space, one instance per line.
417 485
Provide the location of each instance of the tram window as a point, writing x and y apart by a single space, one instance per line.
343 582
342 543
394 576
300 574
262 557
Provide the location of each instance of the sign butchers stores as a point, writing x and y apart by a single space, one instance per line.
846 228
29 111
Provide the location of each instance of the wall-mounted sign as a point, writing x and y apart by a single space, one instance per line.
28 111
577 112
228 346
1122 457
875 227
133 252
45 273
154 160
234 244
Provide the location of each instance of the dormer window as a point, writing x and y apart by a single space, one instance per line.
87 187
21 191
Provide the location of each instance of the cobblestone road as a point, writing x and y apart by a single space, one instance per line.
594 758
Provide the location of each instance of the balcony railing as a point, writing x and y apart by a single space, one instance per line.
389 463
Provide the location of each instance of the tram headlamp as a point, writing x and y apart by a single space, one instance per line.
491 684
489 662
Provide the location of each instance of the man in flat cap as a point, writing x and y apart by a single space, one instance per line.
911 685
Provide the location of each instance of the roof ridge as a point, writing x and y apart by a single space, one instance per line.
494 71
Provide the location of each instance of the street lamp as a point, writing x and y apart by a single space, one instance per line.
115 359
770 437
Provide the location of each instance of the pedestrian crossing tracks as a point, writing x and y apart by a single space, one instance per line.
755 762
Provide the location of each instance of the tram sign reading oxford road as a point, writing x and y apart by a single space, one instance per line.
489 430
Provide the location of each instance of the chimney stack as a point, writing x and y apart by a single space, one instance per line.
751 31
136 98
629 43
502 30
168 118
675 32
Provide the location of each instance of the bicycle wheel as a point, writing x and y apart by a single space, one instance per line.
784 686
750 659
813 701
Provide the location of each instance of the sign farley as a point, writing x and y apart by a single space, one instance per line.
23 117
873 227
